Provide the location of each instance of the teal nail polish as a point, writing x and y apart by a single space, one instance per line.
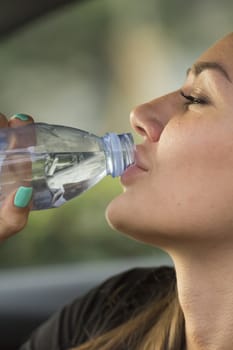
23 196
21 116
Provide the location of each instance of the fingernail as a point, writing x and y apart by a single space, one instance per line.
23 196
20 116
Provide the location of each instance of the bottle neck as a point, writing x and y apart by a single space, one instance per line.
119 152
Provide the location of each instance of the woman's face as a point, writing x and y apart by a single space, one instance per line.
182 183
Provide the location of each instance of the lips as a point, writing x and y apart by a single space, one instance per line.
140 165
140 160
135 170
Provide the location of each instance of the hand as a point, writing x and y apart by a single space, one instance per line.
15 208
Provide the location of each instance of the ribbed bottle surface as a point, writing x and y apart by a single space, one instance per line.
119 152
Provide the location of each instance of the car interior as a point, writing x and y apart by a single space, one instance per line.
69 61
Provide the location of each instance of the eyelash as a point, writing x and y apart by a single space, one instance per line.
190 100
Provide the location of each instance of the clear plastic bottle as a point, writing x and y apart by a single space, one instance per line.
59 162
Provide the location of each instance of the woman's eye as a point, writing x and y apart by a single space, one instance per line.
192 99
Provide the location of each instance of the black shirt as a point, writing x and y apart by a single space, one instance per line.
102 309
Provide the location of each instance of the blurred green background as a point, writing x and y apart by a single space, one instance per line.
87 66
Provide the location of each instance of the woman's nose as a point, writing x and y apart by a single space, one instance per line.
149 119
145 122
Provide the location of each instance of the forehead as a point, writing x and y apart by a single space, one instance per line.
221 52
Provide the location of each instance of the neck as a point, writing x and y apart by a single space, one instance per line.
205 290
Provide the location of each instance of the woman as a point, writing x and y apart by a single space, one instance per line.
179 197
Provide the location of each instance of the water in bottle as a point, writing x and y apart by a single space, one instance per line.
59 162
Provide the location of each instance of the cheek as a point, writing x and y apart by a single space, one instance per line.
194 149
197 171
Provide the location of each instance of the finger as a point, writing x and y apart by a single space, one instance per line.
3 121
20 119
14 212
21 138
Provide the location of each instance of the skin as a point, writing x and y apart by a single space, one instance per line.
179 194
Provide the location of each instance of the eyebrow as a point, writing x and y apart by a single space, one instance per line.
199 67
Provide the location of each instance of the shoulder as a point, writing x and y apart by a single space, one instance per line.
141 274
138 281
108 305
136 287
120 298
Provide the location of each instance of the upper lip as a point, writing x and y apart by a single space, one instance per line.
139 158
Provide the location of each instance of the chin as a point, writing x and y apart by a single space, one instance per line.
123 217
131 220
121 221
120 215
114 214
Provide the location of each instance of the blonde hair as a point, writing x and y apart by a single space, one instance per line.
159 325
